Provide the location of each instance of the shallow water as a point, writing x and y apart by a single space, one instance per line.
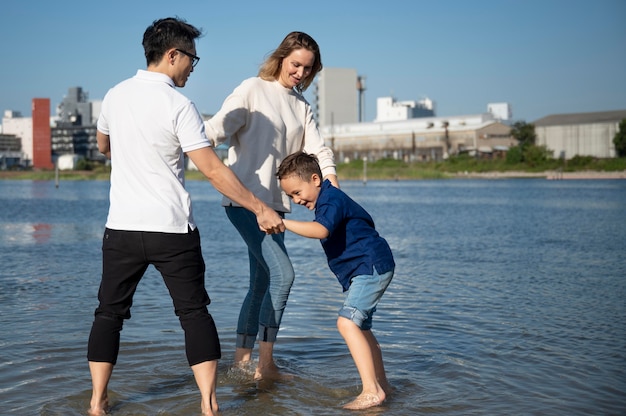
509 298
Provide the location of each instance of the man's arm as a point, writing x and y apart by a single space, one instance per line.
104 144
310 229
227 183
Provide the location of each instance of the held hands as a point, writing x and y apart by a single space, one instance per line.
270 222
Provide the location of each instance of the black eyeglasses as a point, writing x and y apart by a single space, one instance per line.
194 58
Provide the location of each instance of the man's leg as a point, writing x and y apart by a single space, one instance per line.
178 257
100 376
205 374
122 270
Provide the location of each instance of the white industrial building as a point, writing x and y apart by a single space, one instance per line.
388 109
580 134
429 138
407 130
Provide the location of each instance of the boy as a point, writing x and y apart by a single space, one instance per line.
359 257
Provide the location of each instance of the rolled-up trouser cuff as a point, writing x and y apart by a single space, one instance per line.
268 334
245 341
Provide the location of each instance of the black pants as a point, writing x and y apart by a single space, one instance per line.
178 257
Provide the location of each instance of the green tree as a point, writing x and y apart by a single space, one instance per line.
620 139
524 133
536 155
514 155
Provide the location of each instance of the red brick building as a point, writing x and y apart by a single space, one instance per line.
42 141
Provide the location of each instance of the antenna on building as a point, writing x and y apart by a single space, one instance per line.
360 87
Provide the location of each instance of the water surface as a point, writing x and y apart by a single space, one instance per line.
509 298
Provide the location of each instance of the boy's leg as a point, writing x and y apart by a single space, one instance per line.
359 346
377 356
354 324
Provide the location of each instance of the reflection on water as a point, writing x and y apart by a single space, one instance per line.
508 298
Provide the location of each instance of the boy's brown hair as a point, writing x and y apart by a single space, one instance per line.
299 164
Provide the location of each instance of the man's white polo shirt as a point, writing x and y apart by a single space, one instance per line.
150 125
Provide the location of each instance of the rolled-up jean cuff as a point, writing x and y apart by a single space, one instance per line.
356 316
245 341
268 334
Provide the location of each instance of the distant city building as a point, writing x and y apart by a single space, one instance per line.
579 134
74 109
500 111
11 155
388 109
42 151
22 128
336 96
75 130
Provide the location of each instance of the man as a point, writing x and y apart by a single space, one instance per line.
145 127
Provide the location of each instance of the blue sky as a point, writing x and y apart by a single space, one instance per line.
541 56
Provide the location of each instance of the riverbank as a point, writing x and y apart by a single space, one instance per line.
550 175
372 174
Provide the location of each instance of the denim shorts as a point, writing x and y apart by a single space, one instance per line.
362 297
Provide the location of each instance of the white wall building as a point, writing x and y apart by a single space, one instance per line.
336 97
501 111
580 134
388 109
22 127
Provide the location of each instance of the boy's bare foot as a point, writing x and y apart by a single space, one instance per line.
364 401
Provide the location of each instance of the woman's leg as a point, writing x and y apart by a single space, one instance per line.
248 321
271 278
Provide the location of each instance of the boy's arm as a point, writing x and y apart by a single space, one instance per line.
310 229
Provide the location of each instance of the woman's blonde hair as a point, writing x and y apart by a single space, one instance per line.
270 70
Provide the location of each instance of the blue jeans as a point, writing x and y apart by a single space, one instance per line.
362 297
271 277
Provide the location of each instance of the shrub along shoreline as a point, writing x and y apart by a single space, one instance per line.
390 169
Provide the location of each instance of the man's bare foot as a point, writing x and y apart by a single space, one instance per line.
211 409
364 401
99 409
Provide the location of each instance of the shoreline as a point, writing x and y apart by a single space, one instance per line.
548 175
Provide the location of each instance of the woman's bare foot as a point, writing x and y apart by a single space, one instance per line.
271 372
364 401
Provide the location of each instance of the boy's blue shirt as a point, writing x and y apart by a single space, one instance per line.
353 246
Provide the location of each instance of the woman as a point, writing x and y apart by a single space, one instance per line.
265 119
